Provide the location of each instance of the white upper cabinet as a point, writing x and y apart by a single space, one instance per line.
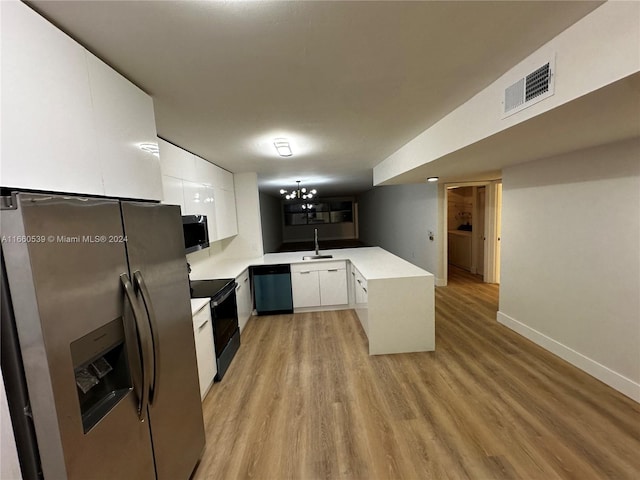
206 189
174 161
206 172
124 119
193 195
210 200
70 122
173 192
226 180
48 132
224 211
226 216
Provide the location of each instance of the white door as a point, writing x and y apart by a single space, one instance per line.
479 230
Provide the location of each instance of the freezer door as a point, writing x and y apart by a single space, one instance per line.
158 266
64 257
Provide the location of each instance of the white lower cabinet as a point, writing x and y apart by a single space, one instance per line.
205 349
305 286
319 284
333 287
361 299
243 299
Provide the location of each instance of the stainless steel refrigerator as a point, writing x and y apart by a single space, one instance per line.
96 298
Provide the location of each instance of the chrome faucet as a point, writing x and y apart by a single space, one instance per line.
317 256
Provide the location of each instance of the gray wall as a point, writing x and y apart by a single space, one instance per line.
570 263
398 218
271 219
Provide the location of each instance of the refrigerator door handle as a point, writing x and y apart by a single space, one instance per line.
143 343
153 328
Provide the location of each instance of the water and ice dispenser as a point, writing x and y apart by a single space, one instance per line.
101 371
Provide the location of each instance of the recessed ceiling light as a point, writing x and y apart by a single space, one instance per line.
432 179
282 147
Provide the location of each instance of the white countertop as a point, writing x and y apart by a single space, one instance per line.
197 304
372 262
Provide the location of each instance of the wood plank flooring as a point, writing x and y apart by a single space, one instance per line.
304 400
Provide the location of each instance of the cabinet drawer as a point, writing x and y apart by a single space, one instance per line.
318 266
243 277
200 316
205 349
359 279
243 299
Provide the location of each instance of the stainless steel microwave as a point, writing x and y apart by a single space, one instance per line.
196 233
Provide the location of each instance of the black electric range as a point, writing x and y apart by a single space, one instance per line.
224 318
209 288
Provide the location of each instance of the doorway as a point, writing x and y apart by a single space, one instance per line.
471 229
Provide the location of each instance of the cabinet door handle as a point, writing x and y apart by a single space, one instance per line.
333 270
246 280
203 324
304 273
358 280
353 273
365 290
238 286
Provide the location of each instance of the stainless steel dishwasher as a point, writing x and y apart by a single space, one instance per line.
272 289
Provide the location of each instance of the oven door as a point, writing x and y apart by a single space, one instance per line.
224 314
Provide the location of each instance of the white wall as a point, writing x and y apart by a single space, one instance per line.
398 218
571 259
271 216
601 48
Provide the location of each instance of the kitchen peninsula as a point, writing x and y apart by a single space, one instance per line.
395 300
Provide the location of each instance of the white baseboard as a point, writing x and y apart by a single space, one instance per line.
622 384
441 282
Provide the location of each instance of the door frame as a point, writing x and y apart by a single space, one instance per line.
491 223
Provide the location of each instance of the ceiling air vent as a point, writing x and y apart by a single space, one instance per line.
528 90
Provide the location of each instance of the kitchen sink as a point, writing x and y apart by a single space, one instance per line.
316 257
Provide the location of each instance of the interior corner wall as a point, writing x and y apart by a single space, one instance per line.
570 265
399 218
271 215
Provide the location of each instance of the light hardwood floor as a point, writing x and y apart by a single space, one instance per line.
304 400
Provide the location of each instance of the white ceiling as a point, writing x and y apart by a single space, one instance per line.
348 83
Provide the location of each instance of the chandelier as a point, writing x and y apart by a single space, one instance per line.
300 193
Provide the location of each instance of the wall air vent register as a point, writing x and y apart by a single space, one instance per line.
530 89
